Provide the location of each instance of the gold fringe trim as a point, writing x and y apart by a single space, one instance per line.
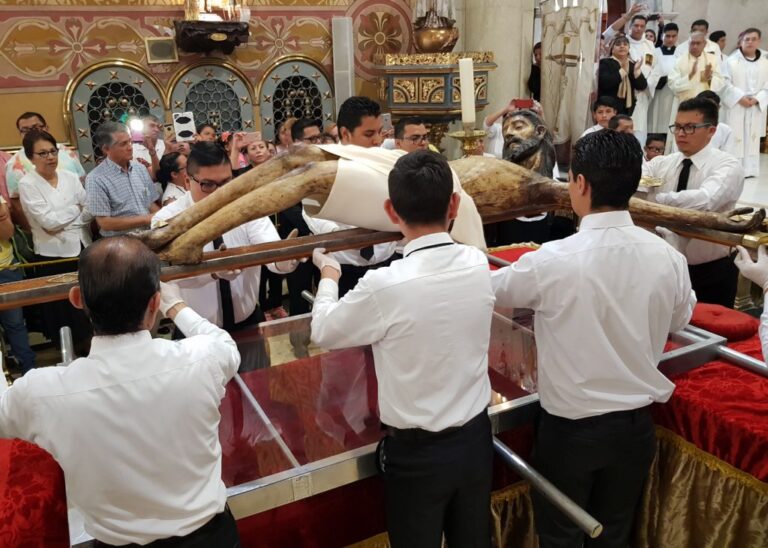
711 461
531 245
511 492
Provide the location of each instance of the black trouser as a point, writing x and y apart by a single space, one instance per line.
601 463
439 482
716 281
219 532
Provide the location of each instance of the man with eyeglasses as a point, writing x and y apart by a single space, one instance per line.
307 131
703 178
228 299
121 194
359 122
411 134
19 165
654 146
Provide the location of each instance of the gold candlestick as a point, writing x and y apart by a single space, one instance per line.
470 139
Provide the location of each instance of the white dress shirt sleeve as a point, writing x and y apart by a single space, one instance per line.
15 414
262 231
685 300
356 320
36 206
222 348
517 285
721 187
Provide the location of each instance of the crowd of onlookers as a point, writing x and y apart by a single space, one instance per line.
644 73
50 210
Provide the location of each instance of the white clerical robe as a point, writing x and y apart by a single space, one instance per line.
686 88
746 79
661 106
642 51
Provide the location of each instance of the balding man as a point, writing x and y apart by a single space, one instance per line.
134 425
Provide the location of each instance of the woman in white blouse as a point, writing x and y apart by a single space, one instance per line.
54 202
172 174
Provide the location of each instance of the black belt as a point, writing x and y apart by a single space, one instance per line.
418 434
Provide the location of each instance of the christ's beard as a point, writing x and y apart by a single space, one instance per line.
520 151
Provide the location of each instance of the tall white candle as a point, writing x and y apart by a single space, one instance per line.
467 80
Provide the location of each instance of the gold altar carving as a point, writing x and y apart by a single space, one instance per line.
404 90
481 89
404 59
431 90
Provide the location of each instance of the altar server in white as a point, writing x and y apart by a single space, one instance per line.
660 111
746 100
642 51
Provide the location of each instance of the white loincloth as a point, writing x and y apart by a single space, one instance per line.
361 187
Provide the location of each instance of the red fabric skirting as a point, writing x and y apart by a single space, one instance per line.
722 408
33 504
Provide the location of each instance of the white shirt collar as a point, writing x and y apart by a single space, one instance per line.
438 238
699 158
607 219
105 344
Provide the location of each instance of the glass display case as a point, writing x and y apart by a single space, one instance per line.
309 422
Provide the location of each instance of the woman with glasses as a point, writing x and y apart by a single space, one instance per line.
54 202
173 176
620 78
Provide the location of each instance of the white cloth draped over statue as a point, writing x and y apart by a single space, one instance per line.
569 44
746 79
361 187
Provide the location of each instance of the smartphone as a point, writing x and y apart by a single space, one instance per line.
648 58
137 130
252 137
386 122
523 103
184 125
654 17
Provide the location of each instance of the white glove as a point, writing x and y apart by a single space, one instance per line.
673 239
228 275
290 265
754 271
322 259
170 296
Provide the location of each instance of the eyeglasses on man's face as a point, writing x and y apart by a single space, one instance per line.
47 153
417 139
209 186
315 139
687 129
660 150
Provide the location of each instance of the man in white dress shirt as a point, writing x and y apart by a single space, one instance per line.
428 319
605 300
134 425
359 123
228 299
746 99
706 179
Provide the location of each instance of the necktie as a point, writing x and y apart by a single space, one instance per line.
682 181
367 252
225 290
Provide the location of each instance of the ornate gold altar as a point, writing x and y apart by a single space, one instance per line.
427 85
